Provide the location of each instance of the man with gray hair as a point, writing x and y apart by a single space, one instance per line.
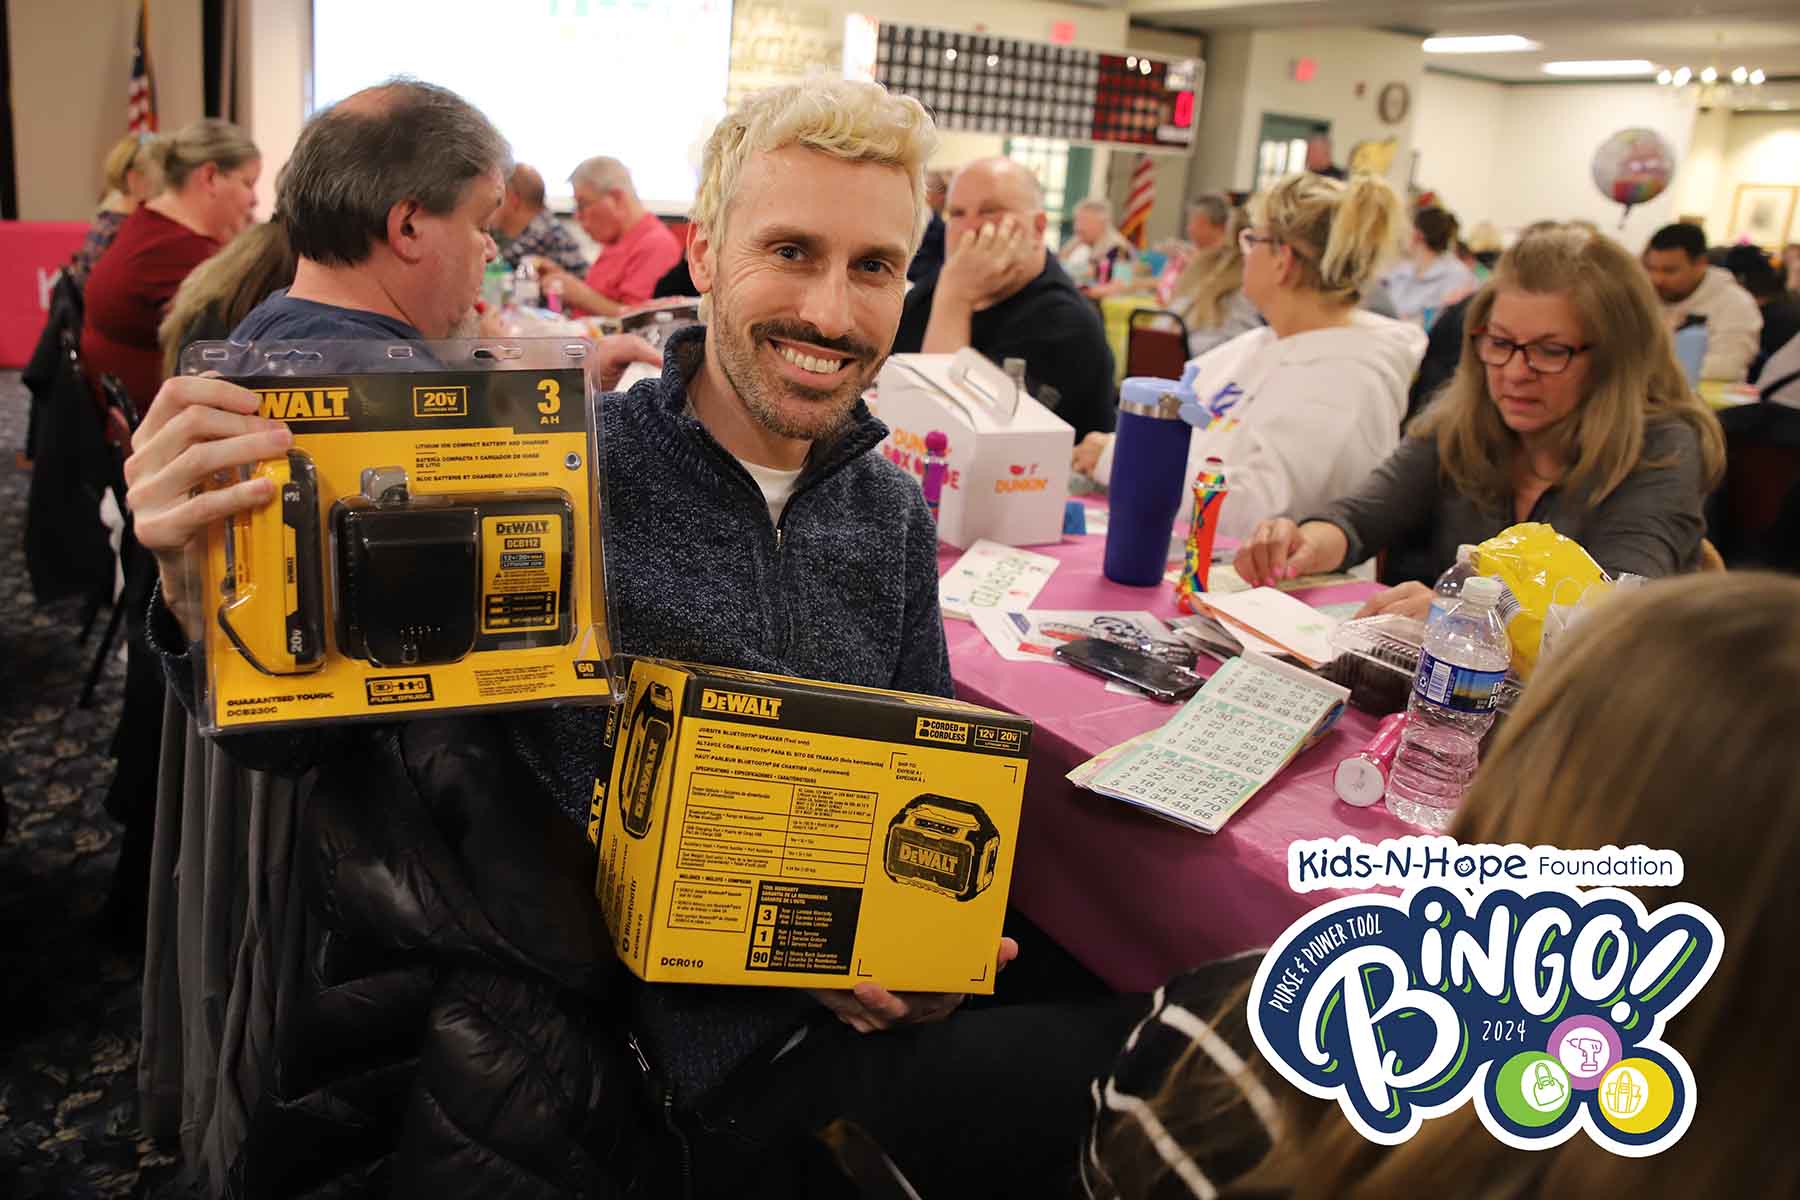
1097 253
1209 220
636 248
1002 292
525 228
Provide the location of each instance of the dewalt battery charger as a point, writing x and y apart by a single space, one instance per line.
429 579
943 845
273 610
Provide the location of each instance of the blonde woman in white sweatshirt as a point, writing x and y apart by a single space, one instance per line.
1302 409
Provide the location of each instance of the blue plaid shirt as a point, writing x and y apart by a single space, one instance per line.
545 236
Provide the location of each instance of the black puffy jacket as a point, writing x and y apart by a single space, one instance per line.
457 1031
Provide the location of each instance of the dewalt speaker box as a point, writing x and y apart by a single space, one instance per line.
759 829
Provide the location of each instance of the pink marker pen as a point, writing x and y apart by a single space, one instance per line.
937 446
1361 779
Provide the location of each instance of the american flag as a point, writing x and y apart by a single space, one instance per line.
140 103
1140 202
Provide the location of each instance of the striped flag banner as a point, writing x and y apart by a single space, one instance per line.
1141 201
140 97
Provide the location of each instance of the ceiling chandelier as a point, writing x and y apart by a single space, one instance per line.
1709 85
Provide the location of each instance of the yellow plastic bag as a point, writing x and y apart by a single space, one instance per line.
1534 562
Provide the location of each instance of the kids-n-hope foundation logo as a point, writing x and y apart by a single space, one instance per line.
1493 977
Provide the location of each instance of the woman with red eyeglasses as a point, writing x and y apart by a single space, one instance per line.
1568 408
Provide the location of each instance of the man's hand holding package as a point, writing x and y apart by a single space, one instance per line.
869 1007
198 429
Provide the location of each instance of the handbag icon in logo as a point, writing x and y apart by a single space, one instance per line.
1546 1010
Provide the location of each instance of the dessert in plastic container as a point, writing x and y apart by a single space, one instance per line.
1377 658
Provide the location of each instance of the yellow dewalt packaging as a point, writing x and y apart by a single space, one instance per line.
758 829
434 542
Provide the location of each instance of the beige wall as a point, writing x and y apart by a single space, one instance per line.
71 62
1760 148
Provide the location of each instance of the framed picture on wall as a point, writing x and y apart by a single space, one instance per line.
1762 214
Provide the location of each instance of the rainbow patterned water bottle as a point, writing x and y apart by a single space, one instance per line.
1203 527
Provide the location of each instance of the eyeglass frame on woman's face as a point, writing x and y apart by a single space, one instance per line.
1481 337
1249 239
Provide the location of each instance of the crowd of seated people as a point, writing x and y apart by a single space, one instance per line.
1548 390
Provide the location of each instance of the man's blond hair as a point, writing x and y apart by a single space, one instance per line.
857 122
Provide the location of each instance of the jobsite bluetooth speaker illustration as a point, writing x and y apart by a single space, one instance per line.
652 719
943 845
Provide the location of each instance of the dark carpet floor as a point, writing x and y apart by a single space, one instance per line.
69 1002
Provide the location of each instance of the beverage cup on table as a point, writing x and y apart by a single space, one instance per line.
1455 695
1149 476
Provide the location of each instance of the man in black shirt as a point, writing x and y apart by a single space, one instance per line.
1002 292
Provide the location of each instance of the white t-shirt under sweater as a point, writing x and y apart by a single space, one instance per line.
777 485
1298 421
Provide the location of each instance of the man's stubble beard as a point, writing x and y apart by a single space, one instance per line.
737 361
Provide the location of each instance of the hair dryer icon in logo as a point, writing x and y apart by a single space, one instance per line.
1544 1086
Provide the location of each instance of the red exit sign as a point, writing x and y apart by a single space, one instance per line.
1305 69
1062 32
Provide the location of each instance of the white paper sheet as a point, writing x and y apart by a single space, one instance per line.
1274 616
991 575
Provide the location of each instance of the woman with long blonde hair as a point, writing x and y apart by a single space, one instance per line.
221 291
1300 411
1710 708
1208 294
1568 408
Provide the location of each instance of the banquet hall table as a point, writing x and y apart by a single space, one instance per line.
1135 898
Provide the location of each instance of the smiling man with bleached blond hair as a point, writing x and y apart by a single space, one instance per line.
755 525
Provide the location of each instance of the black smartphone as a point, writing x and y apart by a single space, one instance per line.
1159 680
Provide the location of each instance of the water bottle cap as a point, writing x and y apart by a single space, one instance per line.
1151 397
1466 550
1483 590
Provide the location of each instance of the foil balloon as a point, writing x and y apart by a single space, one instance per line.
1633 166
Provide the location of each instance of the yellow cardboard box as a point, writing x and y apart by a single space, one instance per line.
758 829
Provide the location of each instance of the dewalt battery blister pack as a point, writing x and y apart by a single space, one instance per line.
434 542
759 829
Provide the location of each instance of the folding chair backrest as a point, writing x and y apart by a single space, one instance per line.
1155 344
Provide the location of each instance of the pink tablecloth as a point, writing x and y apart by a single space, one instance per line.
1135 898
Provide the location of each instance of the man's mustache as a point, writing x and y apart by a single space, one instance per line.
800 331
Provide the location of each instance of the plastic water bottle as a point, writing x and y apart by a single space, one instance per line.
1449 585
525 286
1453 701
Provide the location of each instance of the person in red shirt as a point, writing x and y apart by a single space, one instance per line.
209 172
637 249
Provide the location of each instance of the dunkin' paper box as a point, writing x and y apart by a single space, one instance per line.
1007 477
758 829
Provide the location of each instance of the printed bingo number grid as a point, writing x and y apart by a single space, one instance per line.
1252 717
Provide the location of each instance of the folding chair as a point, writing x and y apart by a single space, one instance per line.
1156 342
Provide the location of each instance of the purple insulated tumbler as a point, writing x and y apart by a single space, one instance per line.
1149 478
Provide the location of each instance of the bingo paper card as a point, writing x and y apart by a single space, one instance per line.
1237 733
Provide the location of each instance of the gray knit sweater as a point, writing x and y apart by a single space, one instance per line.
845 589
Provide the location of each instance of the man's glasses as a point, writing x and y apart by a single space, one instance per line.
1546 358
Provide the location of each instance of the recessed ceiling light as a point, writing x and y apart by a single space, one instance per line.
1682 76
1665 76
1709 75
1602 66
1499 43
1740 74
1757 77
